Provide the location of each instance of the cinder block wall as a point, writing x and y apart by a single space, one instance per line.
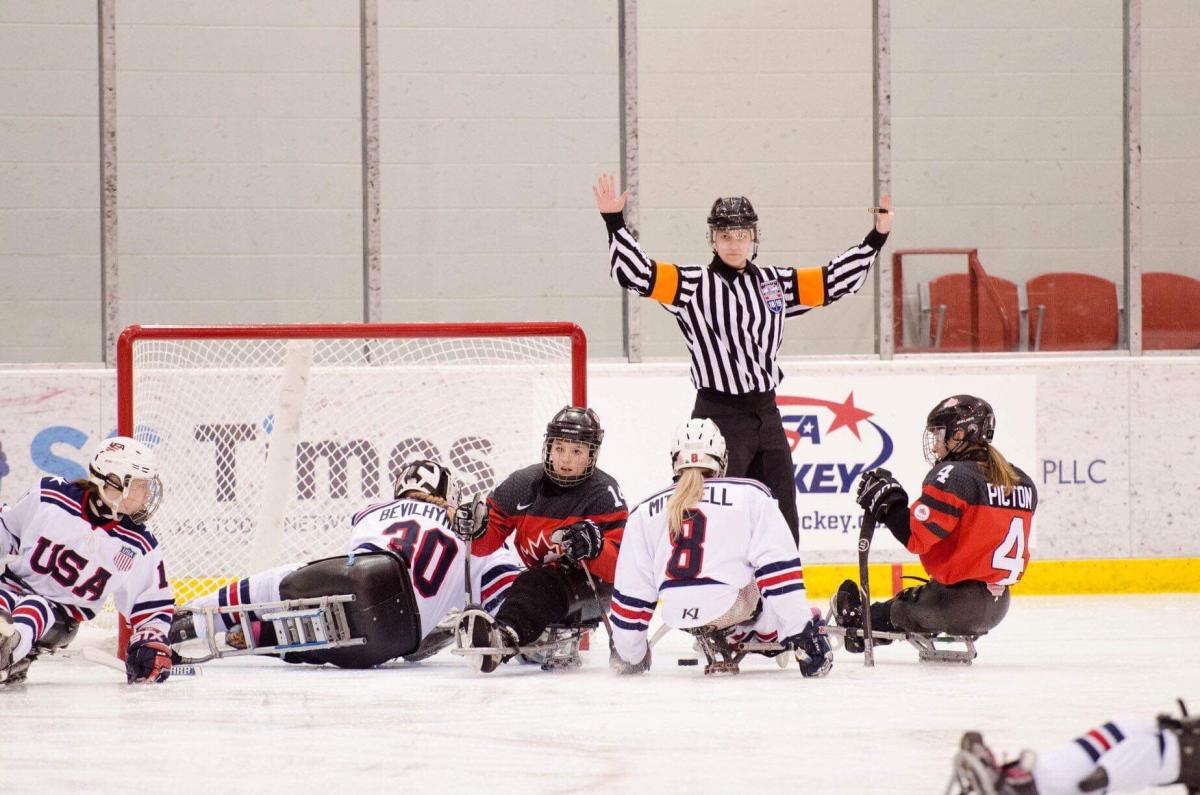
49 183
239 153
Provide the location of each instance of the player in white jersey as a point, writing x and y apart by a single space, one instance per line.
1122 755
67 547
716 554
403 562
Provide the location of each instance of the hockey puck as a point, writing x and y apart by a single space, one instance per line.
688 661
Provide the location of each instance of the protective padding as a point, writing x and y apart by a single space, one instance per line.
384 610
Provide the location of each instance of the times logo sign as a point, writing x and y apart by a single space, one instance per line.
329 467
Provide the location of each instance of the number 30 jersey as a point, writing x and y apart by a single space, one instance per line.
965 528
735 536
420 532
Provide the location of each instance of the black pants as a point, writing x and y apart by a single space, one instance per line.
545 595
758 448
965 608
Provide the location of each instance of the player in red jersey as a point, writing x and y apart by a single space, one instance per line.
563 514
970 527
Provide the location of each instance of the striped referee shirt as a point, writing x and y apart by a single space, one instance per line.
732 320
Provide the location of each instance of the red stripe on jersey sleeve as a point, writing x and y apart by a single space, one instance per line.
948 497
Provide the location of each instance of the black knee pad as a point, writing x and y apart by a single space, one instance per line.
384 610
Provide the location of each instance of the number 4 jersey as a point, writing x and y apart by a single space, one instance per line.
965 528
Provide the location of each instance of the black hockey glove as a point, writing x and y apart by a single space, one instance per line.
879 493
623 668
471 521
579 541
812 647
147 659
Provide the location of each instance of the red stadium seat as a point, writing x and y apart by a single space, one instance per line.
1072 312
1170 318
946 301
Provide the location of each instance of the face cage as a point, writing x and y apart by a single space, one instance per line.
929 441
935 435
712 238
568 480
154 497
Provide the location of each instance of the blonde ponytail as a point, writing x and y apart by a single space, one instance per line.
998 471
688 491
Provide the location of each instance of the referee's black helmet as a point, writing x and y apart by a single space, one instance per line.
732 212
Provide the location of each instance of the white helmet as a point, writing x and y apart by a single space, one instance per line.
428 477
699 443
120 462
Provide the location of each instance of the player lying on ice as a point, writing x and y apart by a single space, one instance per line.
1123 755
970 526
567 517
716 555
69 546
404 566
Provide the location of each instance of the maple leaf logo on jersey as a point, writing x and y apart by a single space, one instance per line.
539 549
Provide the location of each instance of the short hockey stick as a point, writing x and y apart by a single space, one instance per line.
864 550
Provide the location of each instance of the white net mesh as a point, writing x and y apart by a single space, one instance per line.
351 411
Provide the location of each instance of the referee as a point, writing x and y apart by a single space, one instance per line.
731 315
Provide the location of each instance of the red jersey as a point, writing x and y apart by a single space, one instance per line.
531 506
965 528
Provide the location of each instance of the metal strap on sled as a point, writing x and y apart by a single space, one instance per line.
556 649
925 644
300 625
970 776
724 657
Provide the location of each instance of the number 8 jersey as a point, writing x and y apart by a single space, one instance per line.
965 528
735 537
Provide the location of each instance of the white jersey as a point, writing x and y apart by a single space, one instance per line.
421 532
63 552
735 537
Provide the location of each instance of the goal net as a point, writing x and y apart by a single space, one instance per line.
269 438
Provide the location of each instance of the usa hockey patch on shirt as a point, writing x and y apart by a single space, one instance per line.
772 294
123 560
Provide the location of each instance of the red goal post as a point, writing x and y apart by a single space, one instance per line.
269 437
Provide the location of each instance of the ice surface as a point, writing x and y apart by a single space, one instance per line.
1056 667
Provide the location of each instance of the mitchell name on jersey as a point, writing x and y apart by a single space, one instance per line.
735 537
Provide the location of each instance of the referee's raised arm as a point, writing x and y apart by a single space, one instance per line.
731 314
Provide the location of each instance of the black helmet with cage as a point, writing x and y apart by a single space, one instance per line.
732 212
967 413
577 425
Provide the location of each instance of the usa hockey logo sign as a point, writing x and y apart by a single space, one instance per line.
833 442
772 294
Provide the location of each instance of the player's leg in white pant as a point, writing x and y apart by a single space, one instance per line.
31 617
1142 761
1059 770
261 587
